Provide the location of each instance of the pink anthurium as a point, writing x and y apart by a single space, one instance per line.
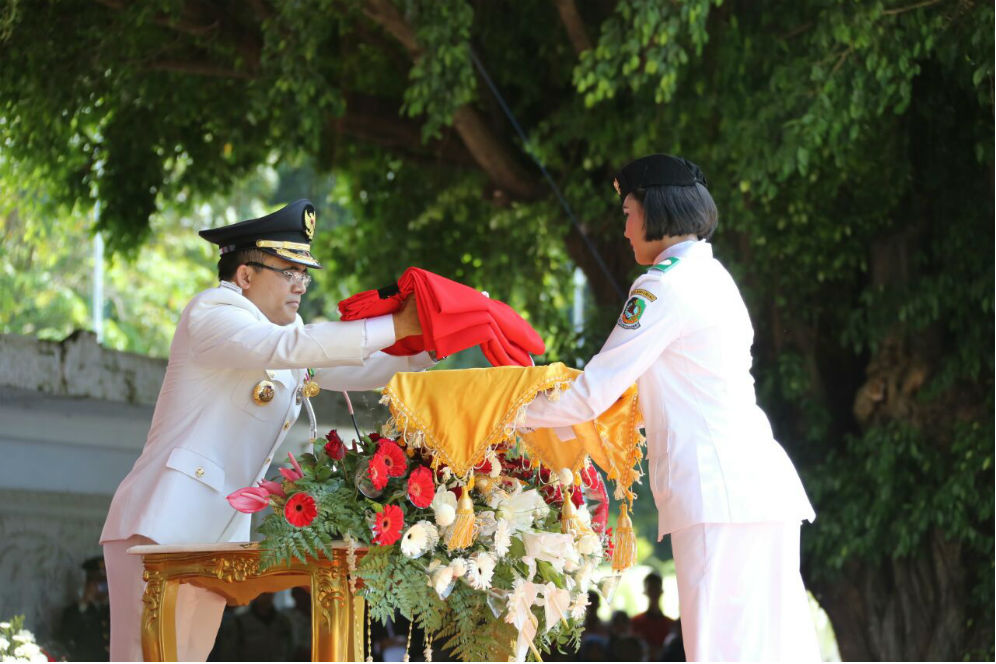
250 499
273 488
290 474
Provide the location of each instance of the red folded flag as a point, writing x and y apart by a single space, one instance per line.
453 317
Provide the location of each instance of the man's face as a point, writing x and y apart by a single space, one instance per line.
276 296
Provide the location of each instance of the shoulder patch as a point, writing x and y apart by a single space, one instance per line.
644 294
665 264
633 311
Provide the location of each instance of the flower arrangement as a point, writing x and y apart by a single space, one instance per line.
18 644
491 565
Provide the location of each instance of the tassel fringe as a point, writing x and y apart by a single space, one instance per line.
462 530
624 554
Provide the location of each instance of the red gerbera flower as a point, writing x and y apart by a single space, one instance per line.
377 472
421 489
387 525
300 510
394 457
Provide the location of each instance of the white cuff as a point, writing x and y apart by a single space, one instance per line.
378 334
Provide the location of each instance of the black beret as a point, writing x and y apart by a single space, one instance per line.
285 233
656 170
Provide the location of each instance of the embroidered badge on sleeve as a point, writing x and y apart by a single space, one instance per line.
631 313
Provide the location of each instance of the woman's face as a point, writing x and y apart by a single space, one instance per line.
644 251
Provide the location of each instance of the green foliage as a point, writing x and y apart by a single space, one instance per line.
848 145
442 78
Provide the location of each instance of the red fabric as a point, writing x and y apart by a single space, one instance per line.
454 317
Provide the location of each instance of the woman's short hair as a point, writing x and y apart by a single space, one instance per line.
230 262
677 210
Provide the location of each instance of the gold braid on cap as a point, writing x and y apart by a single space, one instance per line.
278 244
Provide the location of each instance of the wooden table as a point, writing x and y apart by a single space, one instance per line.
232 570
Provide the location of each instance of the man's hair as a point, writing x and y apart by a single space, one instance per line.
655 579
230 262
673 210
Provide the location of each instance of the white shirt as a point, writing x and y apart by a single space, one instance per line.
208 437
684 337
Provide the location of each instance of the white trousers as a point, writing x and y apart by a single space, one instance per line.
198 611
741 595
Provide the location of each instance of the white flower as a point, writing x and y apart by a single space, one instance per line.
555 548
579 606
566 477
415 541
503 537
4 625
4 644
459 567
496 497
480 569
26 650
444 506
590 545
431 531
556 603
521 508
584 575
24 636
485 523
441 581
583 514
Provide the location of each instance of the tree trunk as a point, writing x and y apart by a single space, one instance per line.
910 608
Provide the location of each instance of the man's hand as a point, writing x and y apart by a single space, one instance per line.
406 323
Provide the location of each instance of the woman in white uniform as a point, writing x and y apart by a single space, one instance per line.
725 490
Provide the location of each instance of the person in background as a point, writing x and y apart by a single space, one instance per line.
652 626
623 645
85 625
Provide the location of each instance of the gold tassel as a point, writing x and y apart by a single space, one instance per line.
570 522
624 554
462 530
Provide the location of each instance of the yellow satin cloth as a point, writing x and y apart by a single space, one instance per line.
460 415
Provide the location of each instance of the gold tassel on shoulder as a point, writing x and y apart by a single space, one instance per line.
462 530
624 554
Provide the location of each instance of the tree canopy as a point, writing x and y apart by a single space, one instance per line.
848 144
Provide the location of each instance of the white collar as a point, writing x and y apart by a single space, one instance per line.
230 286
686 248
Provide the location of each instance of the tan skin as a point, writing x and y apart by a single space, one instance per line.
279 299
645 251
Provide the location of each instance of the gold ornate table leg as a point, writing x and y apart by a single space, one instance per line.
331 617
159 618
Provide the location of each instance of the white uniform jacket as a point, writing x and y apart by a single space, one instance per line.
685 338
208 437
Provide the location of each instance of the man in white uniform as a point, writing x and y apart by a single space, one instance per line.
237 376
725 489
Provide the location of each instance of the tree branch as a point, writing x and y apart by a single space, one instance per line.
387 16
909 8
376 120
197 69
571 19
491 154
